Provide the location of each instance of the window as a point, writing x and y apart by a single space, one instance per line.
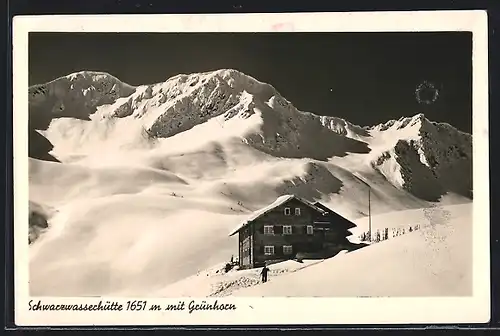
287 229
287 249
268 229
309 229
287 212
268 250
297 211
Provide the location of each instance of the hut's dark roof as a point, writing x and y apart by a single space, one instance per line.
332 213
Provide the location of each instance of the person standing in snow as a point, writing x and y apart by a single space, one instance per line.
263 273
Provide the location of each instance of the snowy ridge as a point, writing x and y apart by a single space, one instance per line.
77 96
426 158
344 127
184 101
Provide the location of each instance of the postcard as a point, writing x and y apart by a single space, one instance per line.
251 169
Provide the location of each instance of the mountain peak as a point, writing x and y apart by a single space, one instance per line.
419 116
234 79
435 154
88 73
85 76
94 76
76 95
417 121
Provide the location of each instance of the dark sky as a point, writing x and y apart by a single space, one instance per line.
366 78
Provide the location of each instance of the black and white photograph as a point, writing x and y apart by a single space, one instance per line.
253 164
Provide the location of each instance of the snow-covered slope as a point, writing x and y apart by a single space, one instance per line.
151 179
74 96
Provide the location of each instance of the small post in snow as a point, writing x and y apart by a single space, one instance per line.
369 206
369 212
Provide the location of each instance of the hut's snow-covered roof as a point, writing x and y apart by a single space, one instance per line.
279 201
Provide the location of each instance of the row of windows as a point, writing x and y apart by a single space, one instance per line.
287 229
288 211
269 250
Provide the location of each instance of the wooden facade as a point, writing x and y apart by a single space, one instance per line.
293 226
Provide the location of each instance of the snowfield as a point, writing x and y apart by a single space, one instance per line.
144 185
214 282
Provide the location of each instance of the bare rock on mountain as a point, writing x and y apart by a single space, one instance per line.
38 224
39 147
